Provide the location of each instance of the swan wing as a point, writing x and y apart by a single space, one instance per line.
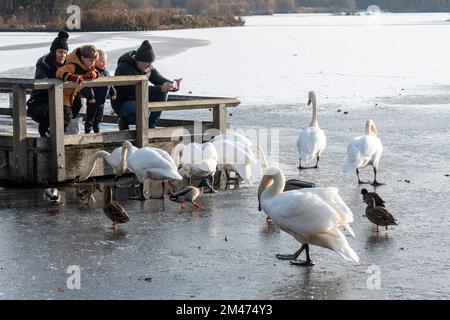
299 213
148 159
245 171
165 155
331 196
310 143
233 153
362 151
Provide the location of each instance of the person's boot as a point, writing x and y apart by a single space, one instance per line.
123 125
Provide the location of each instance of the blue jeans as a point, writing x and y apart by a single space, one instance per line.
128 110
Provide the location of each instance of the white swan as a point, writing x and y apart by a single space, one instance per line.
310 217
115 159
235 137
235 156
152 163
196 160
312 140
363 151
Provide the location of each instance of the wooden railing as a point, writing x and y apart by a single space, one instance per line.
20 87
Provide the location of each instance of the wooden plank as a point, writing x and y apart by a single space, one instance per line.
191 104
102 137
10 83
181 97
142 113
108 81
56 113
19 158
220 118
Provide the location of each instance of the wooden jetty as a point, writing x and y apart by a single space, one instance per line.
28 158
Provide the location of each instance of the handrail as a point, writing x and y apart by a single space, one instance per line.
55 87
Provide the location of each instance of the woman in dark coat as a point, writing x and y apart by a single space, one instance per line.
46 68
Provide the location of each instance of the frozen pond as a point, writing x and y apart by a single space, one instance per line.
392 71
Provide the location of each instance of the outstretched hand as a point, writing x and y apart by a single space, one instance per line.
176 84
77 79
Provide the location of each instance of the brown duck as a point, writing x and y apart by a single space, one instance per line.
86 193
378 215
113 210
367 198
189 194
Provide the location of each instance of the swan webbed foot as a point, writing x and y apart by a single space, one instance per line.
376 183
363 182
307 263
286 256
306 168
158 198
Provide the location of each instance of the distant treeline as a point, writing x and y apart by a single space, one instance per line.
104 15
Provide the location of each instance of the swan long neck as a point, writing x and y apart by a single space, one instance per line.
176 153
314 122
123 158
272 184
91 166
262 157
371 129
129 147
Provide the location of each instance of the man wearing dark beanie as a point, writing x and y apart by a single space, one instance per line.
46 67
139 62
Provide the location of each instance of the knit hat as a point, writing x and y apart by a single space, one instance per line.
60 42
145 52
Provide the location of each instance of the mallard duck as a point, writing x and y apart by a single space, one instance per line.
114 210
312 141
378 215
86 193
51 195
310 217
367 198
189 194
363 151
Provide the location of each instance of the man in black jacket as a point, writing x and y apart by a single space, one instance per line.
139 62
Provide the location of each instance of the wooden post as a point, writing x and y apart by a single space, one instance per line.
142 113
19 160
220 117
56 113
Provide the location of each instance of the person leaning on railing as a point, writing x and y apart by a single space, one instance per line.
46 66
80 66
139 62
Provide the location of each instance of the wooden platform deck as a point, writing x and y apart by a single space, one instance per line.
27 158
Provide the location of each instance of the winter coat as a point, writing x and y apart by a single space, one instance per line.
99 93
44 70
126 66
73 66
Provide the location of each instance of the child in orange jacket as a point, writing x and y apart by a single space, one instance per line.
80 65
